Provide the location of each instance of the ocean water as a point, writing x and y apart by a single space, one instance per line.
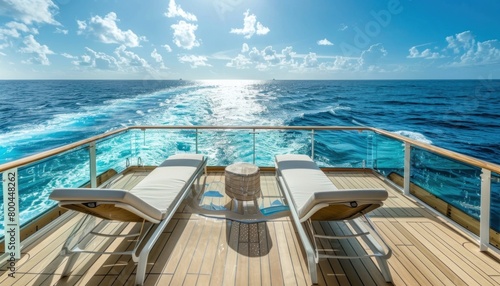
459 115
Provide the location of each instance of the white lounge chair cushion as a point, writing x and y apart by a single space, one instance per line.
154 195
309 186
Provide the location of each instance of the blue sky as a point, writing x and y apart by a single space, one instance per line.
258 39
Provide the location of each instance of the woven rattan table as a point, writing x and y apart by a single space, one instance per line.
242 181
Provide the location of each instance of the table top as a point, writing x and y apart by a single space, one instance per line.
243 169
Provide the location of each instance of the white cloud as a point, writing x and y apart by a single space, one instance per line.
129 59
8 33
68 56
310 61
343 27
184 36
263 59
371 57
156 56
14 30
97 60
269 55
324 42
342 64
288 55
61 31
245 48
30 11
240 62
464 40
82 25
168 48
426 54
19 26
250 26
107 31
175 10
122 61
471 52
482 53
40 51
195 61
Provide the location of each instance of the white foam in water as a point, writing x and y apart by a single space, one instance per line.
414 135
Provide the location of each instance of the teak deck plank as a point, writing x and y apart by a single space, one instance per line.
198 250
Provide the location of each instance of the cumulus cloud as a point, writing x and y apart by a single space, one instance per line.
250 26
156 56
426 54
128 58
463 49
175 10
184 36
194 61
324 42
107 31
464 40
240 62
245 48
469 52
40 51
372 56
288 56
30 11
310 61
123 60
167 48
342 64
263 59
96 60
14 30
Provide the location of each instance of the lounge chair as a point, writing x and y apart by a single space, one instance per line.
155 199
311 195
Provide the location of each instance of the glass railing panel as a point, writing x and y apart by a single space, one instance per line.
114 152
269 143
37 180
224 147
386 154
495 202
151 147
456 183
342 148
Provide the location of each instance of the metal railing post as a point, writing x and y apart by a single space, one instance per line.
93 165
484 220
312 144
253 146
196 140
407 165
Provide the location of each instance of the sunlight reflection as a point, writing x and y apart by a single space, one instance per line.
235 102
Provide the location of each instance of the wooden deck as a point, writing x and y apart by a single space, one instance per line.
201 250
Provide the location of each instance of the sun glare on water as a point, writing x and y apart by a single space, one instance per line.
235 102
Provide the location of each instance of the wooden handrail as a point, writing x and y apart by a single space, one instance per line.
431 148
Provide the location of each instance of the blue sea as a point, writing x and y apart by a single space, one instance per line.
460 115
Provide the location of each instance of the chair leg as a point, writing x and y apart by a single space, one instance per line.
375 245
72 258
141 270
384 268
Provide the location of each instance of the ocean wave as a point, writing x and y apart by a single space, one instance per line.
414 135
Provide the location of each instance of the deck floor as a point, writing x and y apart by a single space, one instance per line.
202 250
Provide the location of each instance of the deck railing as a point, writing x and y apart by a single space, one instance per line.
419 165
